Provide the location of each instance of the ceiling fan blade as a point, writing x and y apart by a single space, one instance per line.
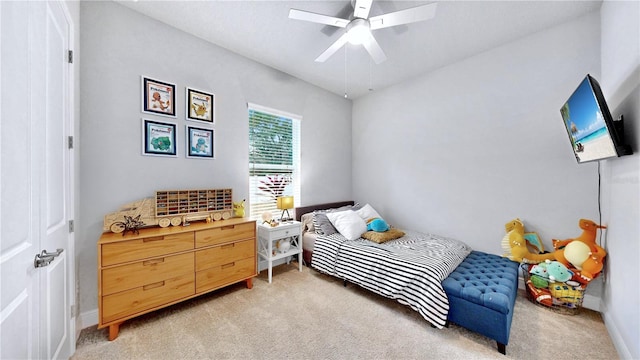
361 8
374 49
333 48
407 16
344 13
317 18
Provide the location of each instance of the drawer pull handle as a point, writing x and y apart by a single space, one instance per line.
153 286
155 238
228 246
226 266
228 227
152 262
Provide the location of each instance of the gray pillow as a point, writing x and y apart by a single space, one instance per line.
321 222
322 225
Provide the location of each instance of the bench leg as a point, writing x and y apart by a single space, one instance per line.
502 348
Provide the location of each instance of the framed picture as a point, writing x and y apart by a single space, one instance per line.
158 97
158 138
200 105
200 143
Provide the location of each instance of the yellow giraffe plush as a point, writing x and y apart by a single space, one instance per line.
515 245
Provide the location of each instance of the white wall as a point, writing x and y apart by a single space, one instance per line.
119 45
620 81
464 149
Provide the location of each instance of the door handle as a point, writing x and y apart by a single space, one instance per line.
45 258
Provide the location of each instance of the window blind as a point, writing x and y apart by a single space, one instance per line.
274 159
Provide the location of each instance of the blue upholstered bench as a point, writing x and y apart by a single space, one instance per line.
482 292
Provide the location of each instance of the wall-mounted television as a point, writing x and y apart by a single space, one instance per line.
593 133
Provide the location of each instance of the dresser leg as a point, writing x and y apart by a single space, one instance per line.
113 331
249 282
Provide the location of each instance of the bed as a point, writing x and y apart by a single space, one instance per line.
443 279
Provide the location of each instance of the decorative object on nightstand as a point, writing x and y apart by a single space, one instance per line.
285 203
281 242
283 245
267 218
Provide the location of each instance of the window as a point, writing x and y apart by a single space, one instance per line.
274 159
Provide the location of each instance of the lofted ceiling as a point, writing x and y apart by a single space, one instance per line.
261 30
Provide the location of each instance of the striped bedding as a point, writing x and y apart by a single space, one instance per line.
409 269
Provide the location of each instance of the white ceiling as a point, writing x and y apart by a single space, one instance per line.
261 30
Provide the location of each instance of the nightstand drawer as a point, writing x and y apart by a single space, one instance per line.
125 251
225 234
284 233
130 302
145 272
225 274
224 254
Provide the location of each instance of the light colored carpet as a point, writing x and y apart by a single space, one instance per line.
308 315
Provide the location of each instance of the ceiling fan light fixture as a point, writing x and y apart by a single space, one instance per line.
358 31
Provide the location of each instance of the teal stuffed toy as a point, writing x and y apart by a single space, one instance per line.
554 271
378 225
558 272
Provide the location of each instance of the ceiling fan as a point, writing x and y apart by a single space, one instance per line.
359 25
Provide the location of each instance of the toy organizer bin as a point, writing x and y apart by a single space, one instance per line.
558 296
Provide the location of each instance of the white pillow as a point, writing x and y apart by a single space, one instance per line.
367 212
348 223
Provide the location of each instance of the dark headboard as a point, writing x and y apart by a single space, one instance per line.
307 209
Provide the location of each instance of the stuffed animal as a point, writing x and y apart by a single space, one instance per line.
539 276
542 295
548 272
588 261
540 270
515 245
558 272
238 208
377 224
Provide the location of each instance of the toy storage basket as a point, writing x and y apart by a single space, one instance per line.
559 297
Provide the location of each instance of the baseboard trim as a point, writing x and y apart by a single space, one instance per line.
615 335
88 319
591 302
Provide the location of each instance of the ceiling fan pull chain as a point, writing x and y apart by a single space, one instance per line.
345 72
370 75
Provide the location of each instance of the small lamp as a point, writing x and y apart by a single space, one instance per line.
284 203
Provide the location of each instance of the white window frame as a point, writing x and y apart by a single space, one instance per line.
258 202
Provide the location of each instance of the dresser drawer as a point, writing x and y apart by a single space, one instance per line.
224 254
131 250
145 272
226 274
125 303
225 234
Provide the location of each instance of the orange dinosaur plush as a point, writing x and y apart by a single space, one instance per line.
582 252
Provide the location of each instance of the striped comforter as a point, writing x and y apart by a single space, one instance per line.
409 269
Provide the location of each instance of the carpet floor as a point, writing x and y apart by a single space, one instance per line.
308 315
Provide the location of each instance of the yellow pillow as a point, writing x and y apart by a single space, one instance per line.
380 237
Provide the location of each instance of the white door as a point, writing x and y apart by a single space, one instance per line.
36 193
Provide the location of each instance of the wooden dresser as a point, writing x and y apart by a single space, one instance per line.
140 273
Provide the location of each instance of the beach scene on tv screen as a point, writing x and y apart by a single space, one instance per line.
586 127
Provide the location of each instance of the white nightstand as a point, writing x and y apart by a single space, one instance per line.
269 236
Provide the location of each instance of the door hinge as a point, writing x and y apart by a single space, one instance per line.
70 56
70 226
70 142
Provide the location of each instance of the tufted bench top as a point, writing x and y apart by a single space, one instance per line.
485 279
